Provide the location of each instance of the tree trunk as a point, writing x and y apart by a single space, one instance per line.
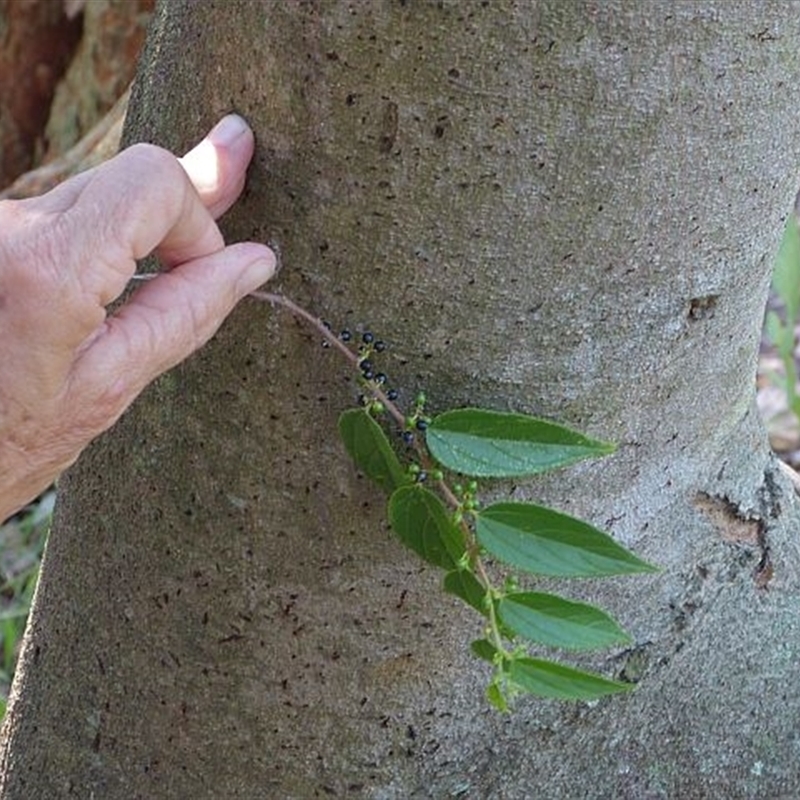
562 208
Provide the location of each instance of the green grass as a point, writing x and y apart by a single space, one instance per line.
22 541
782 324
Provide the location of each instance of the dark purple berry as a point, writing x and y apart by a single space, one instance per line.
368 374
345 336
380 378
365 365
367 337
422 476
392 394
326 343
379 346
407 437
326 325
421 424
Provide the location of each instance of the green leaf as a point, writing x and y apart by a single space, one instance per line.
786 278
492 444
547 542
494 694
550 679
462 583
484 649
421 521
779 334
556 622
370 449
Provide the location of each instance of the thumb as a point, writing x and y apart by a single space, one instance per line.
169 318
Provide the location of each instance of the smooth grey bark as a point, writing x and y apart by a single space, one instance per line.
557 207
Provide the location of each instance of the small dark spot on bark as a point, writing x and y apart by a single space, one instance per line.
702 307
403 595
389 125
764 35
764 571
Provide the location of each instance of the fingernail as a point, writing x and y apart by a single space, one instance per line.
228 130
260 271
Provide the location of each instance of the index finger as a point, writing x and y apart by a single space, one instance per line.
142 200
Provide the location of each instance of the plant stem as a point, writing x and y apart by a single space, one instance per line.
333 339
425 459
422 451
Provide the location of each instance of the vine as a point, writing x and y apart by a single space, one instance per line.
451 529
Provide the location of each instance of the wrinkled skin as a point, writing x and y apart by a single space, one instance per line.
68 370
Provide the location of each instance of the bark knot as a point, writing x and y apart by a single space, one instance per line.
738 528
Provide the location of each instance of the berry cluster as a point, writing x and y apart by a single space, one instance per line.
374 395
467 500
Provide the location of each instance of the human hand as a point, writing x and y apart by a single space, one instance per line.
67 370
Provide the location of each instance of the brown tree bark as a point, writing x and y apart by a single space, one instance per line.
37 41
101 70
563 208
63 66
